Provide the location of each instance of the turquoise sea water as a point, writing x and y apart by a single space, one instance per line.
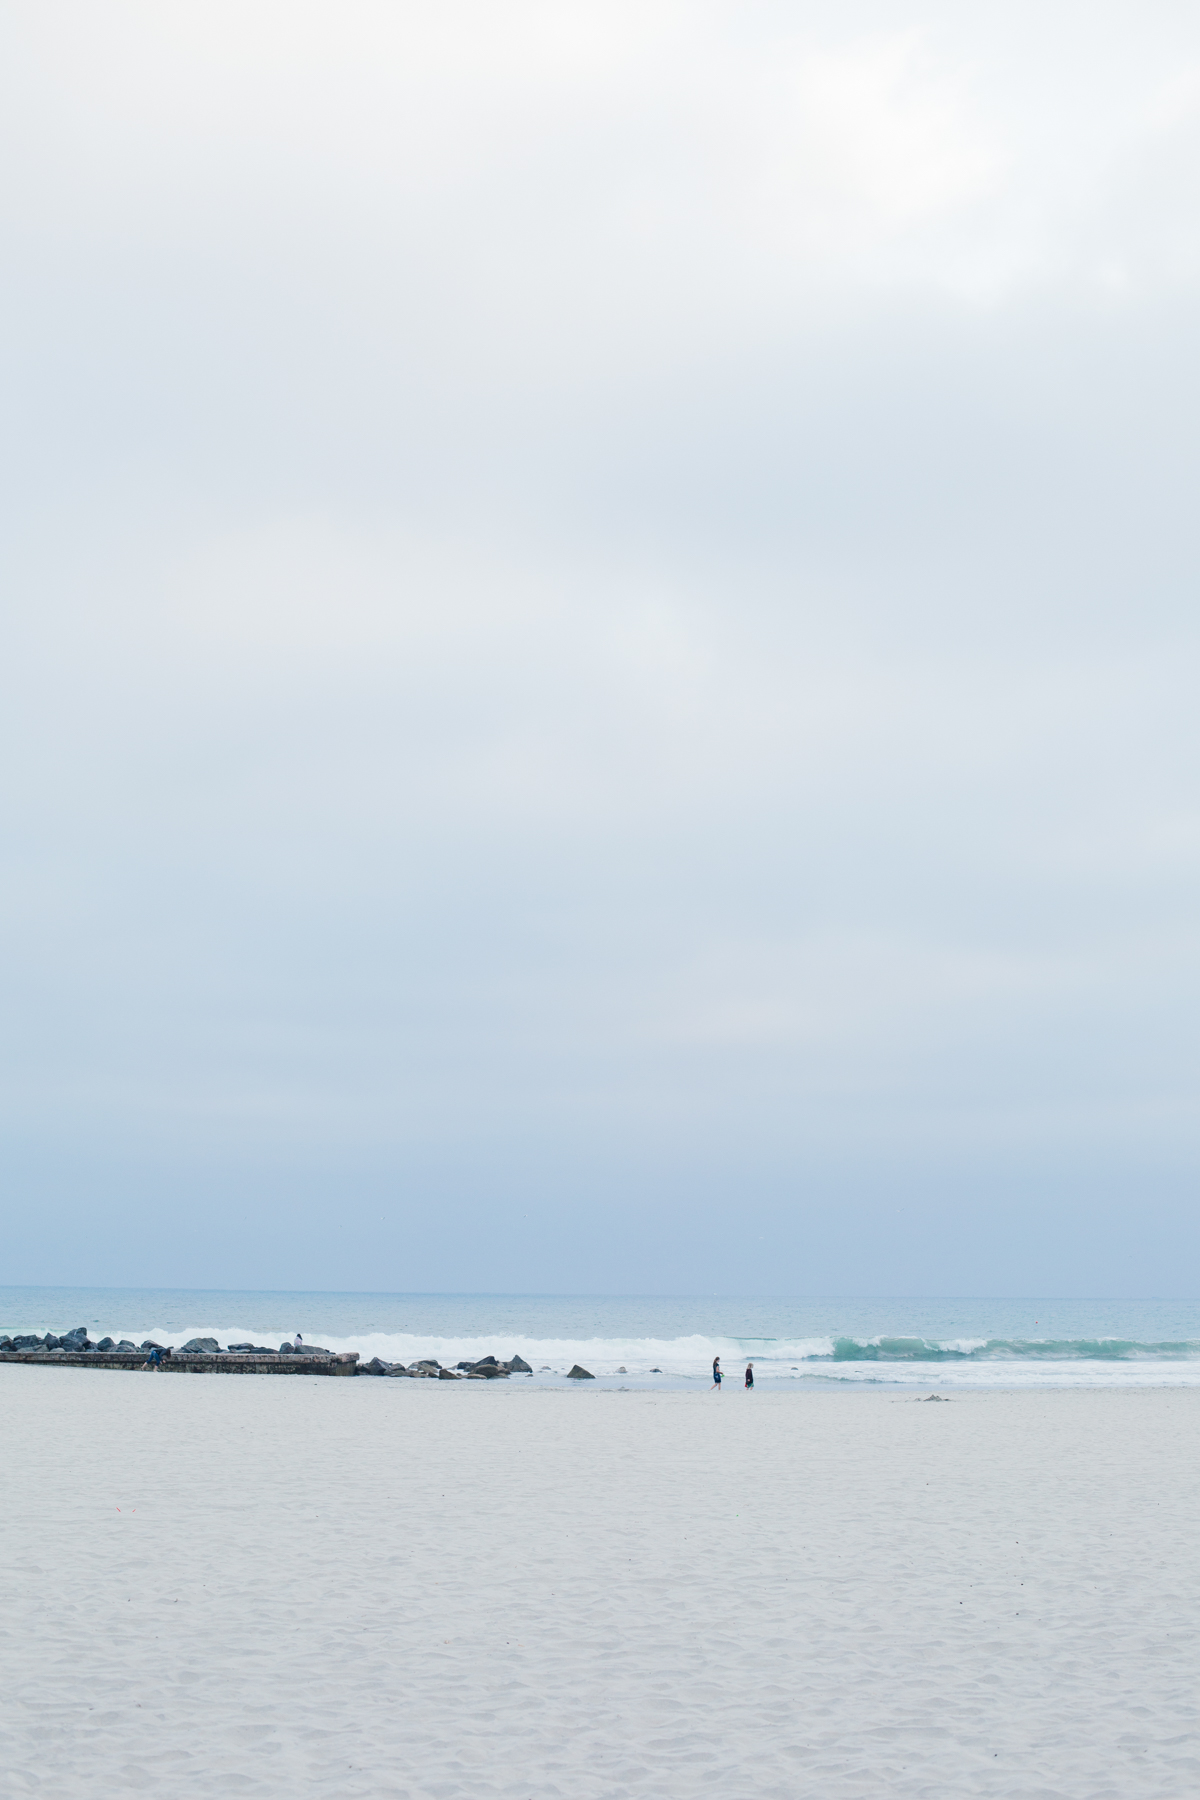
644 1340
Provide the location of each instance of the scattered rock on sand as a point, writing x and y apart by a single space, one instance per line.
578 1374
929 1397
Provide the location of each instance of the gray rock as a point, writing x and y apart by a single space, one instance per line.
375 1367
578 1374
50 1342
288 1349
27 1342
201 1347
149 1344
6 1342
399 1369
518 1367
486 1362
448 1375
935 1397
622 1370
126 1345
106 1343
241 1347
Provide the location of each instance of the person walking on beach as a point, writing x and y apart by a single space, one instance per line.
716 1374
749 1375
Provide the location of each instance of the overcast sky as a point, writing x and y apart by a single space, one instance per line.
599 671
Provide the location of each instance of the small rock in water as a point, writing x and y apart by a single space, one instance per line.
656 1371
622 1370
201 1347
448 1375
578 1374
520 1367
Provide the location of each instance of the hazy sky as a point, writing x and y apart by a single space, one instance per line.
600 645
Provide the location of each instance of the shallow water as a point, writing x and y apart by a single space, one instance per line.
671 1341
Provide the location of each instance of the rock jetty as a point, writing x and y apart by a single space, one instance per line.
205 1356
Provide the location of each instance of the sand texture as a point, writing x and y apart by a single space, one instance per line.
316 1588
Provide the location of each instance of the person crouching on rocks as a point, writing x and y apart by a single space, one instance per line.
154 1360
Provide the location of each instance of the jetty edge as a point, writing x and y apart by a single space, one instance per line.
204 1356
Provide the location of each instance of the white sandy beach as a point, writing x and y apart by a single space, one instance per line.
297 1587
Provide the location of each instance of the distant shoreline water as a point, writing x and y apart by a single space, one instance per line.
670 1341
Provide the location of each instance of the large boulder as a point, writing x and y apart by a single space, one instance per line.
50 1342
447 1375
27 1342
200 1347
149 1344
106 1343
126 1345
518 1367
74 1340
6 1342
399 1369
578 1374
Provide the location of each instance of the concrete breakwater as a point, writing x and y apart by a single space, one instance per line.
205 1356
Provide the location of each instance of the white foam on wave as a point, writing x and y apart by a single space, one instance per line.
689 1359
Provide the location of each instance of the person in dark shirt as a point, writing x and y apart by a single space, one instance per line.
749 1375
716 1374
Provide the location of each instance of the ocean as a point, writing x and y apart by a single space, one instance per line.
644 1341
